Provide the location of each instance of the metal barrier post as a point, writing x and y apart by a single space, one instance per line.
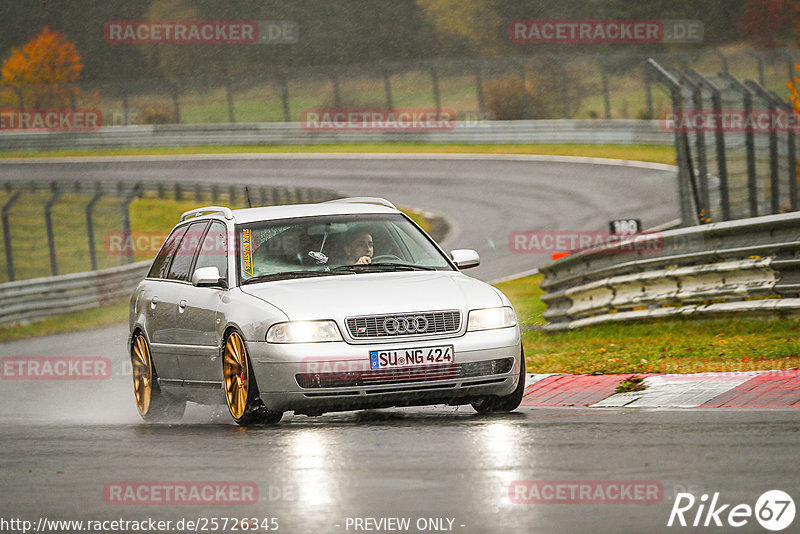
700 146
523 89
287 116
437 97
90 227
760 62
126 219
688 211
606 99
752 184
479 89
48 221
719 137
773 144
387 87
175 103
7 233
337 97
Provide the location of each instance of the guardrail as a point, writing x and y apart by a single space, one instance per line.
292 133
749 265
29 300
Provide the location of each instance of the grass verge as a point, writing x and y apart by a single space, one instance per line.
651 153
679 345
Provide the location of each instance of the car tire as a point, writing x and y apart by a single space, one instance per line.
154 406
239 383
507 403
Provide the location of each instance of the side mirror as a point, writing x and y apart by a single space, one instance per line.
208 277
465 258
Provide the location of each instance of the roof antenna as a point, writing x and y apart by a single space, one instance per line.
247 196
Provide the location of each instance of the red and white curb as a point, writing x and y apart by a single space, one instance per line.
748 389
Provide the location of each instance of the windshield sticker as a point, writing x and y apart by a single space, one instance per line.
247 252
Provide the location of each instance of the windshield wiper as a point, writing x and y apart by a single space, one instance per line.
385 266
290 274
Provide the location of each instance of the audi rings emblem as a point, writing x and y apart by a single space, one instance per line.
408 324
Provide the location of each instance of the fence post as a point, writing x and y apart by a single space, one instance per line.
229 98
648 90
724 60
564 91
126 112
437 97
523 89
773 144
479 89
752 184
704 206
7 234
685 180
719 137
90 227
337 97
287 117
760 63
606 99
175 103
48 220
387 87
126 219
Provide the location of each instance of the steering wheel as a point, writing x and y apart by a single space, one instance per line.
387 257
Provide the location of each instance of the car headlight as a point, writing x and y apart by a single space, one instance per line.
489 318
303 332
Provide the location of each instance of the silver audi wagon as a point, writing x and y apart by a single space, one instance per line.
342 305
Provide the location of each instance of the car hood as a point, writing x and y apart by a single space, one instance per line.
338 297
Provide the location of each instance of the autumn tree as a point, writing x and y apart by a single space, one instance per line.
42 73
766 22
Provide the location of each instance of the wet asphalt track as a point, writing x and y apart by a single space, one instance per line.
63 442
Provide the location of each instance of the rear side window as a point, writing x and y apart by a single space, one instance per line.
161 263
184 254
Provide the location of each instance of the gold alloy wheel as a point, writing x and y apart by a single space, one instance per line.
237 375
142 374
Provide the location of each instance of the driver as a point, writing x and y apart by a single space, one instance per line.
358 247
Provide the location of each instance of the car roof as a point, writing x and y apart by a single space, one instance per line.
267 213
248 215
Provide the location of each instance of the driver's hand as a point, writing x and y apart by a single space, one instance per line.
364 259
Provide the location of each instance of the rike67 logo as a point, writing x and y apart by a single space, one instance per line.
774 510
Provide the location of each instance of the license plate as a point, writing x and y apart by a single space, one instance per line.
385 359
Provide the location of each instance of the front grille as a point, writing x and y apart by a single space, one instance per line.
425 373
404 324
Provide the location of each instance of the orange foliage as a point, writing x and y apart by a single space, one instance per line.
794 87
42 72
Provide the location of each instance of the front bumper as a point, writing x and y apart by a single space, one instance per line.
337 376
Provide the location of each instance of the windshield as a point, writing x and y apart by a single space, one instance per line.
329 245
